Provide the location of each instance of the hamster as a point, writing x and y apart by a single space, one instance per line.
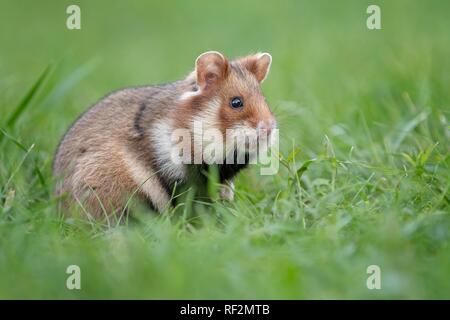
123 145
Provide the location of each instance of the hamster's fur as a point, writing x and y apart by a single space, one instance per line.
122 145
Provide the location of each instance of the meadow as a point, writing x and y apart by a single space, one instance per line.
364 152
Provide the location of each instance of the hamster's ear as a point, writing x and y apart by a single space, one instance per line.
258 64
211 68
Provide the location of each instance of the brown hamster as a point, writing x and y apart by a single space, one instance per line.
123 144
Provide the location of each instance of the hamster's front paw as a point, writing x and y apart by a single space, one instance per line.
227 191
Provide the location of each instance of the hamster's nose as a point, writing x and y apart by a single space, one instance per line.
265 127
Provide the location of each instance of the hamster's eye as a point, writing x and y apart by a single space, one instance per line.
236 102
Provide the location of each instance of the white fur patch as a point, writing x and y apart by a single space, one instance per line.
207 119
161 137
147 181
192 77
189 94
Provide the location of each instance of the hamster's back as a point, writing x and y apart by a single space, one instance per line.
90 161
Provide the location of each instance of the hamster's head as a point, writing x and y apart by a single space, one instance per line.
226 99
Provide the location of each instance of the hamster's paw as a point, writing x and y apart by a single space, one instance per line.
227 191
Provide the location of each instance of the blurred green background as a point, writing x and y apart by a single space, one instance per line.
364 134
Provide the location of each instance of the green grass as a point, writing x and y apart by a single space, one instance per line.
364 179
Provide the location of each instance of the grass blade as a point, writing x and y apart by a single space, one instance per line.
407 128
14 140
16 170
27 98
